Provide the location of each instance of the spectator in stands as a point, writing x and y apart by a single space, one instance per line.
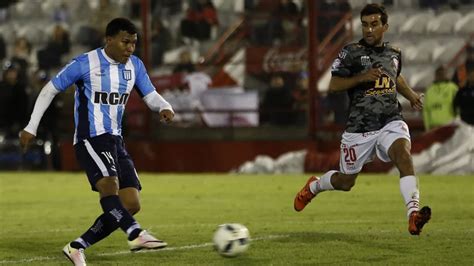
166 8
277 105
160 41
186 100
92 35
200 18
21 58
185 63
464 100
460 75
285 23
57 46
3 48
300 96
437 110
61 13
13 100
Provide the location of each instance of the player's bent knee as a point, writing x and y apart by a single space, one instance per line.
347 186
344 182
133 208
107 186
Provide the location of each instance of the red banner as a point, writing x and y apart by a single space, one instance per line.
260 60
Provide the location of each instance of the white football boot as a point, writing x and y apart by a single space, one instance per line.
146 241
76 256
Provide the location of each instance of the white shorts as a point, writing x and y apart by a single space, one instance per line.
358 149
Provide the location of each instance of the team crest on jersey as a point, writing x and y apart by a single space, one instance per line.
395 63
342 54
336 64
365 60
127 74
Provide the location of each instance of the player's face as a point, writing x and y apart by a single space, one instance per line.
373 29
121 46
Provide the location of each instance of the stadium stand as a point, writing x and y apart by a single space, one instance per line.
465 24
443 23
427 37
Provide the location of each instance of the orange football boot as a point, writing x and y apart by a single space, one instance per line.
305 195
418 219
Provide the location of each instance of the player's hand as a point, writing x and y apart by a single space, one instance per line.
372 74
25 140
166 116
417 101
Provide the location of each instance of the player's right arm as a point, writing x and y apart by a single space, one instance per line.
345 83
63 80
342 75
42 103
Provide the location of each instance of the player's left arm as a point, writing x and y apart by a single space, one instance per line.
150 96
416 99
157 103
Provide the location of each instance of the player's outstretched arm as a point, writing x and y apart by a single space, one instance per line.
157 103
42 103
416 99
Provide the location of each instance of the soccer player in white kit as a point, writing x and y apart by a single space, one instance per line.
369 71
104 79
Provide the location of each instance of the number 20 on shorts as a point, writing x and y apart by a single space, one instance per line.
349 155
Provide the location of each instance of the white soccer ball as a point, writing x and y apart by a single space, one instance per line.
231 240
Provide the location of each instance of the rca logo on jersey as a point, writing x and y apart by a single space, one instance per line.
383 85
112 98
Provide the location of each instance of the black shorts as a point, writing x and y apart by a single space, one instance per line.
105 155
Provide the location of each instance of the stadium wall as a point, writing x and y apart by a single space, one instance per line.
193 156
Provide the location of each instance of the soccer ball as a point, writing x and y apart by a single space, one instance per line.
231 240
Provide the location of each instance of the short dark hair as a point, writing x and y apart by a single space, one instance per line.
117 25
371 9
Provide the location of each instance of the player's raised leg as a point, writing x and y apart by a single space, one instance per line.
332 180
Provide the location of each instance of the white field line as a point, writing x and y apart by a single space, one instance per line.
57 258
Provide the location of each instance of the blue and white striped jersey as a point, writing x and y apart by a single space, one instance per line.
102 90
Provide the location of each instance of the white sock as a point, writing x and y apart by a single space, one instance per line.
323 184
410 193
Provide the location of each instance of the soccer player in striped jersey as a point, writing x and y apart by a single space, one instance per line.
369 71
104 79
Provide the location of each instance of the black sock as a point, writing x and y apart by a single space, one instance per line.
119 215
77 245
103 226
134 234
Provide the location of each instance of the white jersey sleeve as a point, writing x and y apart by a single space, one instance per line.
42 103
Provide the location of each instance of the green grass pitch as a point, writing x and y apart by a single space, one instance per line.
41 212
